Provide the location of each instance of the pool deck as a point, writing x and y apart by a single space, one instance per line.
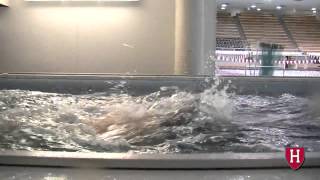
45 173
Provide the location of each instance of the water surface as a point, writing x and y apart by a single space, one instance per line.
167 121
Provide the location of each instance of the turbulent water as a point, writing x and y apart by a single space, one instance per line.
167 121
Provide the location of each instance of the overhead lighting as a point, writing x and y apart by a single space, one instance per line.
224 5
314 12
223 8
313 9
258 9
279 7
253 6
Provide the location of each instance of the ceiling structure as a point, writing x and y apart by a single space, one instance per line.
288 5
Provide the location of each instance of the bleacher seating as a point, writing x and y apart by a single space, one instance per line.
294 33
233 43
227 26
306 32
228 34
265 28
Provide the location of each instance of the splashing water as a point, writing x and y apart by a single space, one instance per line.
167 121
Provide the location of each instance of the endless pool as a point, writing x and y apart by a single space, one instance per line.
40 103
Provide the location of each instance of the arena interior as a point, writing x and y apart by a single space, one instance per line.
241 30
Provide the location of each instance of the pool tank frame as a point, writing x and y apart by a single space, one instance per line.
85 83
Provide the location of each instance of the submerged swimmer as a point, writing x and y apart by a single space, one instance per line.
132 117
138 119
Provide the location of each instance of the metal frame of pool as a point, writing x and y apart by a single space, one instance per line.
97 82
84 83
152 161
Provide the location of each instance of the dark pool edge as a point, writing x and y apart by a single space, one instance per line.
99 76
87 83
131 76
152 161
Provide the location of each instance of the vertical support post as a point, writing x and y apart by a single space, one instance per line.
195 37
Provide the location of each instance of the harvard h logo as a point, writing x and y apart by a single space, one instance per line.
295 157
